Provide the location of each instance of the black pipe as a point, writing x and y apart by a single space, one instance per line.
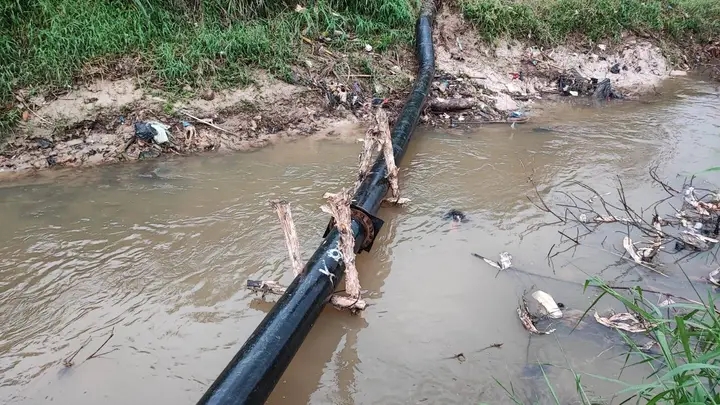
252 374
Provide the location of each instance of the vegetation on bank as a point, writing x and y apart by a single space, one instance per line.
550 22
684 360
195 42
216 42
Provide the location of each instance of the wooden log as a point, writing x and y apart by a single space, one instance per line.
452 104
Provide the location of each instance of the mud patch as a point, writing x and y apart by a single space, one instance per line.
94 124
500 80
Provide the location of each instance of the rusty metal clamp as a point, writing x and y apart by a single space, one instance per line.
371 226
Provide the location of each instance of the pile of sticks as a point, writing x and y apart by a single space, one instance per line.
377 140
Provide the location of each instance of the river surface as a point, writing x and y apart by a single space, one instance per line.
160 252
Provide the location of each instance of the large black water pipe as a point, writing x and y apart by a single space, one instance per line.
252 374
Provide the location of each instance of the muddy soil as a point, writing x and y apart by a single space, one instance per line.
475 84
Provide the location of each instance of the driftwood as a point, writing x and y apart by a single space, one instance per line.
291 239
387 147
452 104
339 207
371 143
266 287
208 123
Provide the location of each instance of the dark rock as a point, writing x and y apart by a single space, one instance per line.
615 69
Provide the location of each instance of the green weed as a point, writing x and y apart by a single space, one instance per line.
686 366
181 42
551 21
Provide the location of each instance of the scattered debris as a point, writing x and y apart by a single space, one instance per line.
638 257
547 301
452 104
624 321
145 131
161 135
398 202
573 83
527 319
190 133
69 361
695 226
460 100
266 287
208 123
455 215
713 278
665 300
504 263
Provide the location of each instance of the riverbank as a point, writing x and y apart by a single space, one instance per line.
317 79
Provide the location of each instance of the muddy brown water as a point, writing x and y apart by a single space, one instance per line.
161 252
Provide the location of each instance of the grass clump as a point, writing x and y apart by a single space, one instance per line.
684 359
686 366
549 22
179 42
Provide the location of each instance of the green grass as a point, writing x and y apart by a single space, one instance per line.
550 22
202 43
687 370
179 42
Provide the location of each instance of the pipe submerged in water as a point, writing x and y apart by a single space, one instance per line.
253 372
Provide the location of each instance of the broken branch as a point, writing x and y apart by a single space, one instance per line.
291 239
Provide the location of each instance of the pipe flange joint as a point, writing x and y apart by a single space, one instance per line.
370 224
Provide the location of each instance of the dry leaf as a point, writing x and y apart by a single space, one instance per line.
713 277
630 248
527 322
623 321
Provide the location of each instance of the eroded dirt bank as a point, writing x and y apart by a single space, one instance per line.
94 123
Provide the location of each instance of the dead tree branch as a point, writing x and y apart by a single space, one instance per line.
95 353
339 207
291 239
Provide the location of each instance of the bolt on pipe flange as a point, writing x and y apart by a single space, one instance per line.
370 223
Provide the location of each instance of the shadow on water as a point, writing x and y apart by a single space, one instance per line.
161 252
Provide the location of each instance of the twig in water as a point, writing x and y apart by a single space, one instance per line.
459 357
492 346
656 178
112 333
386 139
544 205
291 239
370 144
68 362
